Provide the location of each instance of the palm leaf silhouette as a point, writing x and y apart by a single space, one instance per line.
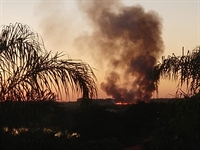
29 72
184 68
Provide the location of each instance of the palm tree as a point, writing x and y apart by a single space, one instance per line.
184 68
29 72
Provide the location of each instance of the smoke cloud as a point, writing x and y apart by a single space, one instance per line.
122 42
128 40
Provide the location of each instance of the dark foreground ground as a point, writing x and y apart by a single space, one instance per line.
148 126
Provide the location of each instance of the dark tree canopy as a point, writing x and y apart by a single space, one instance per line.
29 72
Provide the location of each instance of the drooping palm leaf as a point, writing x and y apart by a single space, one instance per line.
29 72
184 68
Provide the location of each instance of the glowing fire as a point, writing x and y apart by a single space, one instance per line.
121 103
125 103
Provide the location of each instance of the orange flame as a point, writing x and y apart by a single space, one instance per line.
125 103
121 103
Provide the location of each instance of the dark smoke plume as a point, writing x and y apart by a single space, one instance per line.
129 39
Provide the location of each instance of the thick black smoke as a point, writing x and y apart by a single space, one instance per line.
130 40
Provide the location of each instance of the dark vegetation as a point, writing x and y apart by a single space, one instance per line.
30 118
46 125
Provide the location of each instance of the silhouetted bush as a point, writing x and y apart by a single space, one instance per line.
178 127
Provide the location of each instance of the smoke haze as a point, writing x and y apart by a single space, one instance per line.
129 40
122 42
56 25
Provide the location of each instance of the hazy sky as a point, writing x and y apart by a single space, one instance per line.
61 22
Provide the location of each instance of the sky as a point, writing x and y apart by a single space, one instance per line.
61 22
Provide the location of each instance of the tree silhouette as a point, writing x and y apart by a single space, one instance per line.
29 72
185 69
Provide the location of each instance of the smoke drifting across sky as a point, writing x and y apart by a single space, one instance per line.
129 40
123 40
55 22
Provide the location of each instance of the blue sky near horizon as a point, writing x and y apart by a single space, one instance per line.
180 21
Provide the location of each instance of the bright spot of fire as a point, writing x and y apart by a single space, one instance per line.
121 103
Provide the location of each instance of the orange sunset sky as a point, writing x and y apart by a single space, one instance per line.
61 22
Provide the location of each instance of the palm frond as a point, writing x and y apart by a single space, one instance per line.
185 68
29 72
